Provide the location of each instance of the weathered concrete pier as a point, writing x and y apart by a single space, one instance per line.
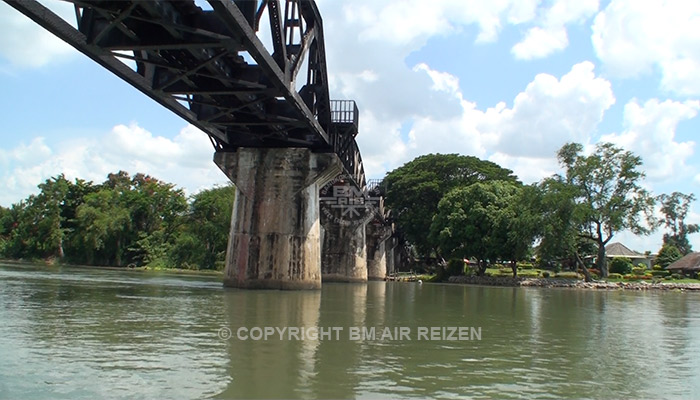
275 240
377 234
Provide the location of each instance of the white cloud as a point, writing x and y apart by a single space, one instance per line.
528 169
649 131
549 113
412 21
185 160
551 35
539 43
524 138
633 38
26 44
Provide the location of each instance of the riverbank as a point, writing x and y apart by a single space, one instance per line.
55 264
569 283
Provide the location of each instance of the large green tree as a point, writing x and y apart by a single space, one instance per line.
204 237
414 190
675 209
130 220
482 221
559 228
607 193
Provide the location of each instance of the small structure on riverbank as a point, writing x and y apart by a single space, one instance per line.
618 249
688 265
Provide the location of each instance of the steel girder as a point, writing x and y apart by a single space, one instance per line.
210 67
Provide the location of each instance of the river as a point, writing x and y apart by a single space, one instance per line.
78 333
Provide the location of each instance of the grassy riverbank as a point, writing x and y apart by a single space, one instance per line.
51 263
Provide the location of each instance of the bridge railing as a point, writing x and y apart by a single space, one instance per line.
345 112
344 127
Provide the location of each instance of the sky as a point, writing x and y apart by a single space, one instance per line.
509 81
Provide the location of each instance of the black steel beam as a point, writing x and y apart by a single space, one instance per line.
234 20
57 26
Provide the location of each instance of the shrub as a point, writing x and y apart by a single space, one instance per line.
621 265
529 273
660 273
676 275
641 265
639 271
525 265
594 271
545 274
614 276
657 267
668 254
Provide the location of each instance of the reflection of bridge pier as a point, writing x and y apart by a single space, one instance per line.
282 366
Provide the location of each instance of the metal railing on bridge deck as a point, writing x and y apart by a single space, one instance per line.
373 185
344 127
345 112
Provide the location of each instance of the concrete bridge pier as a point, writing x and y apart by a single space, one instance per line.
390 247
344 252
275 229
377 235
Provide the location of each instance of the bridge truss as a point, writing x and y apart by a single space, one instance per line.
210 67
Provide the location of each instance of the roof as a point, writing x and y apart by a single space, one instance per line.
620 250
690 262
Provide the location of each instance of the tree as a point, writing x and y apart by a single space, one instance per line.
521 222
474 221
414 190
560 229
675 209
130 220
607 193
203 240
5 229
667 255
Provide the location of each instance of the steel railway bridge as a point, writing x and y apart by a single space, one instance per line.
265 108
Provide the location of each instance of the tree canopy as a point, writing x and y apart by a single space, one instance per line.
126 220
414 190
675 209
607 192
482 220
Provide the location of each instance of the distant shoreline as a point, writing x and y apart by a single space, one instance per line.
50 264
570 283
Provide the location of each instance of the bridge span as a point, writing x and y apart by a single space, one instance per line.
267 111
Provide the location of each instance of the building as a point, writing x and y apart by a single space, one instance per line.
617 249
688 265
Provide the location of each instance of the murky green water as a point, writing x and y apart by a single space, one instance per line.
84 333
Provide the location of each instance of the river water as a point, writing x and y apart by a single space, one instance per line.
74 333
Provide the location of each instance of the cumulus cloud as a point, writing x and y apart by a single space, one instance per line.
550 112
185 160
649 131
551 35
25 44
633 38
412 21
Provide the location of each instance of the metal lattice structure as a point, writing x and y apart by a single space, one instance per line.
211 67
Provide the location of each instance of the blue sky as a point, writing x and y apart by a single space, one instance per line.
508 81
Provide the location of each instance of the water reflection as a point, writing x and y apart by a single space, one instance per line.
113 334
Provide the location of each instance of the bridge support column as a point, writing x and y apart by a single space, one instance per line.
275 229
377 235
344 252
390 249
